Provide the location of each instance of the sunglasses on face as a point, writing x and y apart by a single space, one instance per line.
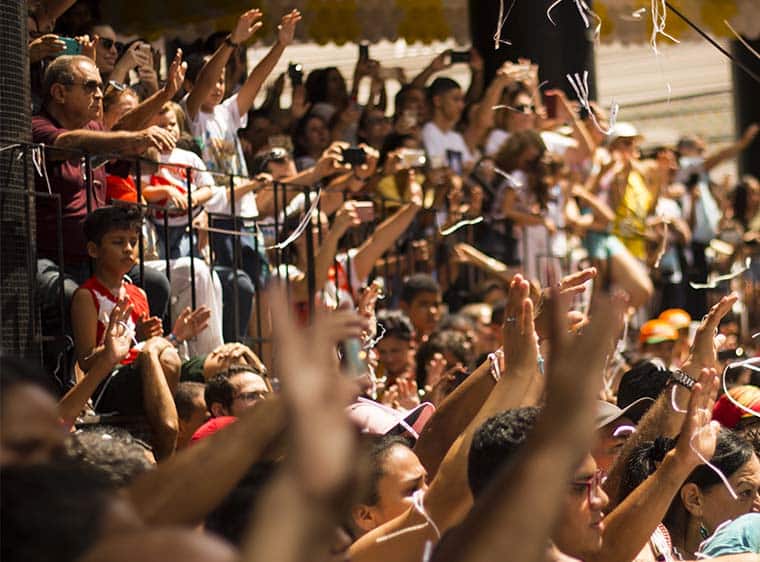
90 86
251 396
107 43
525 108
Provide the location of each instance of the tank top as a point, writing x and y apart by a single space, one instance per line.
105 302
631 215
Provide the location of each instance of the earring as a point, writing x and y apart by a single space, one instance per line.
703 532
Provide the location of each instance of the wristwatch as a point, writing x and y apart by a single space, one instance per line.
228 41
679 377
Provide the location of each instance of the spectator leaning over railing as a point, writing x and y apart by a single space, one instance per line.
68 127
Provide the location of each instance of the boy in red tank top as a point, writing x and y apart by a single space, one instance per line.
143 382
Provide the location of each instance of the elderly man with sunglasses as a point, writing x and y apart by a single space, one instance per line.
68 127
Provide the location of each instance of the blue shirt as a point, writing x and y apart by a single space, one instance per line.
739 536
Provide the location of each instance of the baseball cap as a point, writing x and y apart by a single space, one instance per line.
657 331
212 426
606 413
729 414
624 130
373 417
676 317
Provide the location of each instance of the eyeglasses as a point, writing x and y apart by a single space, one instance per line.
252 396
107 43
90 86
592 486
525 108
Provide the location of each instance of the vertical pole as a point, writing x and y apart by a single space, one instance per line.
189 171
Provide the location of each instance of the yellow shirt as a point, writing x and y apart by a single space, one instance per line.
631 215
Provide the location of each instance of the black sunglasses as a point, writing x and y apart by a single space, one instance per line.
525 108
107 43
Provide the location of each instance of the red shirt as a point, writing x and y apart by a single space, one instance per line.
67 179
105 301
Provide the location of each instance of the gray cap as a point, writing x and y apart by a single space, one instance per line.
607 413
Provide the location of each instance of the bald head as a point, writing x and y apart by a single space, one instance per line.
158 545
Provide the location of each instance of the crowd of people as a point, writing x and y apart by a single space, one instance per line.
468 325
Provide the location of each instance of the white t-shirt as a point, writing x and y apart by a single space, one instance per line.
216 132
437 143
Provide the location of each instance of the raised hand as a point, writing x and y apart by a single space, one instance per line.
346 217
176 75
248 24
190 323
577 362
518 333
365 171
699 435
287 29
323 441
118 335
228 354
331 160
570 285
703 352
148 327
45 47
87 45
299 106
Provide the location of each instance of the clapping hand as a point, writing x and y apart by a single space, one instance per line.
119 337
190 323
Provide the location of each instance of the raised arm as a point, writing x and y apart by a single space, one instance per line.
483 120
662 419
139 117
732 150
246 26
250 88
388 232
448 498
436 65
628 527
497 526
189 485
313 489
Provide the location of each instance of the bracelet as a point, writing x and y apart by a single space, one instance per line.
229 42
679 377
173 339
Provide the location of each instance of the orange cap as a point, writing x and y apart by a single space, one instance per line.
657 331
676 317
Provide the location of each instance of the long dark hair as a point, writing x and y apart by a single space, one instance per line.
508 156
731 453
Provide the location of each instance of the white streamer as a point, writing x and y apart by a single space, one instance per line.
497 40
749 364
720 278
300 228
673 403
419 506
624 430
38 160
580 86
659 17
585 12
456 226
741 40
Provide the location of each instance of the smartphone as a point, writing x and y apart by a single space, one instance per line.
353 358
295 73
363 51
72 46
354 156
365 210
454 159
550 102
412 158
460 57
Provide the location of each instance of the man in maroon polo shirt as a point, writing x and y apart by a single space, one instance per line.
68 126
